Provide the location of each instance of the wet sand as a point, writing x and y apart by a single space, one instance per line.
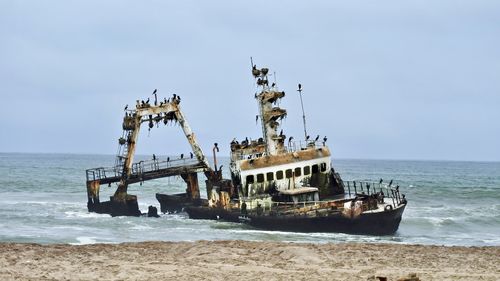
243 260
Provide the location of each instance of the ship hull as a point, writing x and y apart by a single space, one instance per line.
208 213
174 203
379 223
376 223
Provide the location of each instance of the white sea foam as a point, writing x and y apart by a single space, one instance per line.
83 214
141 227
85 240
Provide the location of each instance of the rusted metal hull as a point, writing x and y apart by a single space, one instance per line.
381 223
209 213
174 203
115 208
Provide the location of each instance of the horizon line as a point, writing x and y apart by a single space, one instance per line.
333 159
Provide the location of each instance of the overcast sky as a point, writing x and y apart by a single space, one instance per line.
382 79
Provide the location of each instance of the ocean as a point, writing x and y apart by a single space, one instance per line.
43 199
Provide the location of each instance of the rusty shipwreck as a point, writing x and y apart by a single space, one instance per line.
277 183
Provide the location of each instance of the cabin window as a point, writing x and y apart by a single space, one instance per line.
260 177
250 179
323 167
315 169
307 170
288 173
298 172
270 176
279 175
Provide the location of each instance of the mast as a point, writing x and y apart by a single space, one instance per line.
269 114
303 112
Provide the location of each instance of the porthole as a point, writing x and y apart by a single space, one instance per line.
323 167
307 170
250 179
260 177
279 175
298 172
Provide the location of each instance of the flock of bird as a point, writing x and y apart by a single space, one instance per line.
181 157
246 141
175 99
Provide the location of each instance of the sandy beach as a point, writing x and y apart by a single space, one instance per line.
242 260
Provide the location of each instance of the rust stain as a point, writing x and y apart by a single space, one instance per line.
281 159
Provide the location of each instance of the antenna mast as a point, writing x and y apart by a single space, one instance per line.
303 113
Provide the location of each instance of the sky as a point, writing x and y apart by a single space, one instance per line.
381 79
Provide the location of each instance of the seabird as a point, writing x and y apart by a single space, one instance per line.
182 155
147 101
325 139
290 139
168 159
281 133
126 107
191 154
317 138
300 87
307 138
272 85
156 97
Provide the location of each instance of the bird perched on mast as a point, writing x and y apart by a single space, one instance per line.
156 98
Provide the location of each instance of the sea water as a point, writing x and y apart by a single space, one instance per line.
43 199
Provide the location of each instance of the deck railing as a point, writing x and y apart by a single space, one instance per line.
354 189
138 168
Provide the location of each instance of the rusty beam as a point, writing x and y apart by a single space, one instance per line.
193 189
